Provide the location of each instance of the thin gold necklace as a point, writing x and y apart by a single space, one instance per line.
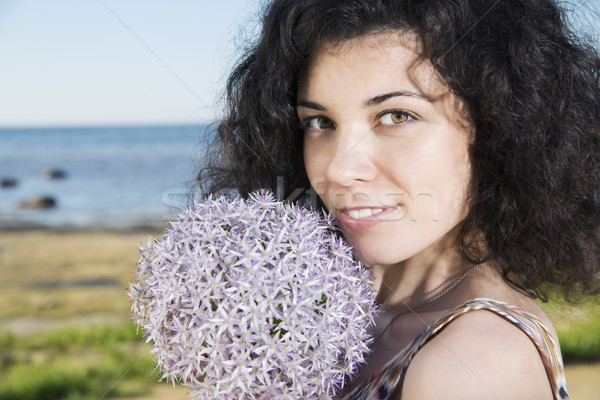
438 296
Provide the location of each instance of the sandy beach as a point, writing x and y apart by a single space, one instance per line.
63 275
53 279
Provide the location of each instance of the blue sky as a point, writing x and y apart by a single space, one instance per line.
106 62
90 62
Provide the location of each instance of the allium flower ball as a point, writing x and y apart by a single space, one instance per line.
253 299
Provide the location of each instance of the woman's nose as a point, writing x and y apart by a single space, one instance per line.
351 157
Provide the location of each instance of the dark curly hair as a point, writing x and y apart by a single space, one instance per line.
530 88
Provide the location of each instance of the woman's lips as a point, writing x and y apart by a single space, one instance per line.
363 217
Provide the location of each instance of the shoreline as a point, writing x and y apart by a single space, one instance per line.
27 226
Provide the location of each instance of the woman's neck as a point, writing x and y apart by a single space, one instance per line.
418 278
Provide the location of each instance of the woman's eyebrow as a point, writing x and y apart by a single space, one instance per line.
311 104
381 98
370 102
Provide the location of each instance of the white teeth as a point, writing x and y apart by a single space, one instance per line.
363 212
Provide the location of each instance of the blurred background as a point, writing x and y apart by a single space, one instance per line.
105 107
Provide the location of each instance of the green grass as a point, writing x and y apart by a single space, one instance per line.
578 329
100 362
580 339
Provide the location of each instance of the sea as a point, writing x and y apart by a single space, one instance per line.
118 176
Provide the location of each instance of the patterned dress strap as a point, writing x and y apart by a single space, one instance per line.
381 386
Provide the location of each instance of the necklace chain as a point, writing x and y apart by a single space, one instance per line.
429 301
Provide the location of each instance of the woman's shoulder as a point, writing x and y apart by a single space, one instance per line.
479 355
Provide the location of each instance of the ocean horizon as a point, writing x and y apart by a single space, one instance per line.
99 176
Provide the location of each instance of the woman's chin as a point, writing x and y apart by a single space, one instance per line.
374 258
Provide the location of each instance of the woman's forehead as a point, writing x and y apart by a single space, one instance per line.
387 55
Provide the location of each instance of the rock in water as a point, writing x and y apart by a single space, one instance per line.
8 182
53 173
42 202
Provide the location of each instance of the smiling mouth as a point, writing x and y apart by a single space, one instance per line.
362 212
361 218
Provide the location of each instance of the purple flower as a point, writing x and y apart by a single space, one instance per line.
253 299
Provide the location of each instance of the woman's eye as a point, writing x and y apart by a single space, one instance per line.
394 118
319 123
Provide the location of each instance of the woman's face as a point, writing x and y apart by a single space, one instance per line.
385 146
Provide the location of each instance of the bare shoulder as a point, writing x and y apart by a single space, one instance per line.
478 356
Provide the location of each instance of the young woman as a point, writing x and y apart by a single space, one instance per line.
457 144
